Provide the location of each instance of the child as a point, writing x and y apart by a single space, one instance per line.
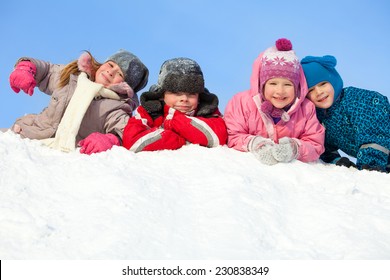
273 119
175 111
357 121
102 125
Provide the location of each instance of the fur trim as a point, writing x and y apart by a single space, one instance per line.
151 101
181 75
208 103
154 105
183 83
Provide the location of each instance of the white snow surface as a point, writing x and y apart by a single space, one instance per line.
190 204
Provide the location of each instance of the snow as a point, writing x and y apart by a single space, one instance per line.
193 203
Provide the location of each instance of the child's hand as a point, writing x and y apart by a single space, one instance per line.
261 148
258 142
286 150
169 112
344 161
264 155
97 142
22 78
122 88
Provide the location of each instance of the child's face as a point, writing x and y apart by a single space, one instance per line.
279 91
108 74
182 101
322 95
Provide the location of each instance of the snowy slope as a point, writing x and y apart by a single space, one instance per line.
193 203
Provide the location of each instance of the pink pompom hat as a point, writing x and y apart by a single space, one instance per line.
280 61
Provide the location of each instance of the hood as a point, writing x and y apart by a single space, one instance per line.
255 85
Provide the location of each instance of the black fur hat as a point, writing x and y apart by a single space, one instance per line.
179 75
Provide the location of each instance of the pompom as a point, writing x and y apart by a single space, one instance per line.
283 44
84 63
269 109
266 107
328 61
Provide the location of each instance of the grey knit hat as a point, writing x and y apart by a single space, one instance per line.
136 73
181 75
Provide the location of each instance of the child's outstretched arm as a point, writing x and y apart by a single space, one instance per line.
46 74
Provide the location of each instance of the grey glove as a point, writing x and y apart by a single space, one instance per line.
286 150
261 148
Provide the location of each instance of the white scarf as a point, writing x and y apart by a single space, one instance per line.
86 91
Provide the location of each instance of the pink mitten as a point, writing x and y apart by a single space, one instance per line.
98 142
22 78
122 88
85 64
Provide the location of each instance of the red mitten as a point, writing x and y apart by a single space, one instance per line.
98 142
22 78
169 112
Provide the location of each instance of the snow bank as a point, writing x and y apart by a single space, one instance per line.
193 203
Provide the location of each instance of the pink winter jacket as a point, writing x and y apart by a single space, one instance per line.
245 120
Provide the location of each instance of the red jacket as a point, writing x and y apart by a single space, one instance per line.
173 130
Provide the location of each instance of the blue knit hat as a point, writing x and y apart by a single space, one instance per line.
318 69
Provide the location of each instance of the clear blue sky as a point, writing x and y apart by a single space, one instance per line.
224 37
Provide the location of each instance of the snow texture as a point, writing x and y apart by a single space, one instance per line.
193 203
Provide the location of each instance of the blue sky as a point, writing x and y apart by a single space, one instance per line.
224 37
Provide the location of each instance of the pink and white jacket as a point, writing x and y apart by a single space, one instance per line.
245 120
